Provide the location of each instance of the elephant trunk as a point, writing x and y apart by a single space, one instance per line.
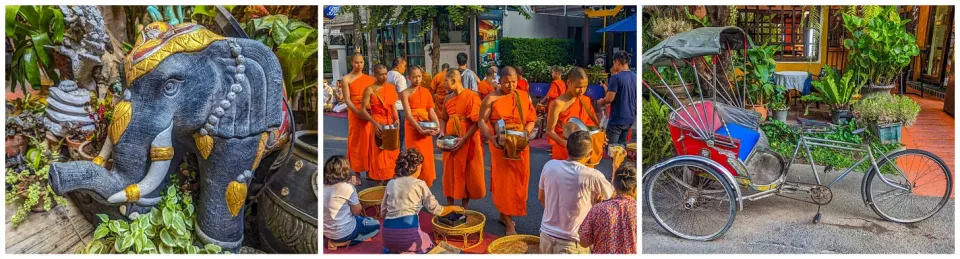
115 186
161 152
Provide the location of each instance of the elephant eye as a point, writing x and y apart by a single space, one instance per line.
172 87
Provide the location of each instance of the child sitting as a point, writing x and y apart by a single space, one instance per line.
404 197
341 206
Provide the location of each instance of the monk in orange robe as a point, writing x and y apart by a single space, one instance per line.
488 85
463 166
571 104
509 179
418 102
522 83
557 87
439 91
359 130
380 99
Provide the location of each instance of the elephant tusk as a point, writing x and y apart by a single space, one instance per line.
161 147
105 153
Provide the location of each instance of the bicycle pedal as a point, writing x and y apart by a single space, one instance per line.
816 218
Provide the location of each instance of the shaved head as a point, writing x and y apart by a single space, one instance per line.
576 74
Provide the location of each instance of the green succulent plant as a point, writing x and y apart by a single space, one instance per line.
885 108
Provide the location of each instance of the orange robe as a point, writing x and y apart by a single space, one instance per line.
523 85
557 87
439 90
510 179
383 162
463 168
578 109
485 88
420 104
359 131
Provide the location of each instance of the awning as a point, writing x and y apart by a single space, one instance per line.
626 25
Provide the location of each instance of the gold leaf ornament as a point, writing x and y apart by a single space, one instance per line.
204 144
236 195
121 118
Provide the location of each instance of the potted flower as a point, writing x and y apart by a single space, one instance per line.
886 115
880 48
759 68
837 91
27 181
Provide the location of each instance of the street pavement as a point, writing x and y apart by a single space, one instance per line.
335 143
781 225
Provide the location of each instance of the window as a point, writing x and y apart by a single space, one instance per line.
395 43
795 28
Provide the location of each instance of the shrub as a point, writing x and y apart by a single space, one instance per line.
885 108
520 51
657 144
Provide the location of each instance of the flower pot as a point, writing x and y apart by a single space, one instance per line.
781 115
16 144
678 91
87 152
887 133
73 146
840 116
876 89
759 108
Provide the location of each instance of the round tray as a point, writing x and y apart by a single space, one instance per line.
474 225
372 196
515 244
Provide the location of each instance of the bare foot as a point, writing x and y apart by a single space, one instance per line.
511 228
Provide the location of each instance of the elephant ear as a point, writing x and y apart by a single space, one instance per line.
252 95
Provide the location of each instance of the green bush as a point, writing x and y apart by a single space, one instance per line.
886 108
520 51
657 144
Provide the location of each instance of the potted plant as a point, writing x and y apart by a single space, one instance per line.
780 109
673 82
75 138
759 68
880 48
23 120
837 91
886 115
28 188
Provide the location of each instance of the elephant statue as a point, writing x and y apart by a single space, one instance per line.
189 91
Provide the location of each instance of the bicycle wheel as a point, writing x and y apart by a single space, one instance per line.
925 179
686 198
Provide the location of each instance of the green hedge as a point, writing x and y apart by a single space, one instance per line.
520 51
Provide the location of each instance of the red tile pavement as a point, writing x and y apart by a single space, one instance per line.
933 132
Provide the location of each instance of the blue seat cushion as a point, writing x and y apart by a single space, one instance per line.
748 138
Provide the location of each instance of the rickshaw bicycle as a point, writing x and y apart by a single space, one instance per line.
724 158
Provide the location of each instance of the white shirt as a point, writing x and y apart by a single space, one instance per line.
569 190
405 196
400 82
338 222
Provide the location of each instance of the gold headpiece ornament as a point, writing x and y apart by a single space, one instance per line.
159 40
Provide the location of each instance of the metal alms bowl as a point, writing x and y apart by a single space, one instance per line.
575 124
447 142
430 125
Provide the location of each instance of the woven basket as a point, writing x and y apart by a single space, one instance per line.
372 196
474 226
515 244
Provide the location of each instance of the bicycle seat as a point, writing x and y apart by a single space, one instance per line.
815 125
